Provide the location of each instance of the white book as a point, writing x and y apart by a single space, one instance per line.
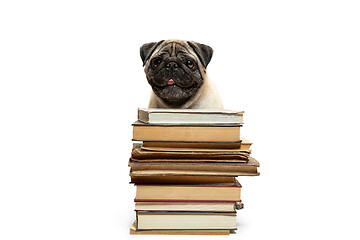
189 116
185 221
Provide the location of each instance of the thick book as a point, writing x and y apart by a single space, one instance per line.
249 167
187 206
189 116
242 145
185 221
186 133
195 168
194 192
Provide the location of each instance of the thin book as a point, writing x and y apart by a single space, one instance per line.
189 116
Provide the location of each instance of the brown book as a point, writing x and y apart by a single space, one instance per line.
243 145
139 154
249 167
160 160
191 192
177 132
182 179
142 169
189 173
195 150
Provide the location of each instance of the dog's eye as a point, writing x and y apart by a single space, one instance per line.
156 62
190 63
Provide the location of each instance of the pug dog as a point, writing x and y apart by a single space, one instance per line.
176 71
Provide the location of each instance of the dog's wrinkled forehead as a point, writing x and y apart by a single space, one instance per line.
173 49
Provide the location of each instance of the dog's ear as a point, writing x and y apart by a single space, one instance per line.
203 51
147 49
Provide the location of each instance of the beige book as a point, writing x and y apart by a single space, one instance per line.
178 232
185 221
195 192
203 133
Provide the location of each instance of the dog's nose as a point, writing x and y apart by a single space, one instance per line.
172 65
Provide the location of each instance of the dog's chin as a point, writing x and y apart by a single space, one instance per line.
175 95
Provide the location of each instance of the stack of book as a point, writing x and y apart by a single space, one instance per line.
183 164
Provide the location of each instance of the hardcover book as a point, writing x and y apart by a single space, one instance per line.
142 154
189 116
185 221
186 133
133 231
250 166
167 168
194 192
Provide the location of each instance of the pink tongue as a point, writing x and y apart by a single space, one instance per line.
171 82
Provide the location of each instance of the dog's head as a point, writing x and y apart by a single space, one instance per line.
175 69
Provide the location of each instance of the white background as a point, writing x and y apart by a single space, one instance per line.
72 80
